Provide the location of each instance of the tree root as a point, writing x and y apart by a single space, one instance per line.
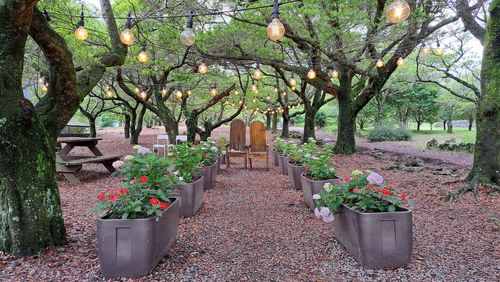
471 186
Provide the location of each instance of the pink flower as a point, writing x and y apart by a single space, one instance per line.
375 178
347 179
329 218
404 196
132 181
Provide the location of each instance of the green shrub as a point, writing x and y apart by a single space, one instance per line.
385 133
320 119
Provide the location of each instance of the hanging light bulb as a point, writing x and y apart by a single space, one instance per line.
137 90
254 100
293 82
439 51
178 94
189 92
268 97
258 73
255 88
80 31
143 56
45 88
275 29
398 11
425 49
379 63
236 92
311 74
202 68
144 94
109 93
127 36
284 93
164 92
400 62
188 36
334 73
213 91
293 88
41 79
276 89
241 102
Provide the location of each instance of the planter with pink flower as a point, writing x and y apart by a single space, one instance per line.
319 170
139 218
187 178
369 219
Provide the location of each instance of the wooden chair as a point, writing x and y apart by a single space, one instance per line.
237 142
258 148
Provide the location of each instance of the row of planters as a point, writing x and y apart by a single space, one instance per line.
140 218
369 217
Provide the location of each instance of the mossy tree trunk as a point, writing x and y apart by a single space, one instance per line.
126 126
275 122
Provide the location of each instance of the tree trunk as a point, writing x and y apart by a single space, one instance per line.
486 167
444 124
450 126
93 131
275 122
346 144
430 124
309 125
126 129
30 213
418 126
471 122
268 121
285 132
191 124
137 128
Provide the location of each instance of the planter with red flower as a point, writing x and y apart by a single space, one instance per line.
187 178
140 218
210 159
318 170
369 219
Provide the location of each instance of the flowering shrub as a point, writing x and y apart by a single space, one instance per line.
186 161
320 167
366 192
298 155
222 144
145 189
279 145
209 152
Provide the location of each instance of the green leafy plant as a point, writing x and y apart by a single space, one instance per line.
320 167
298 155
186 161
209 152
279 144
387 133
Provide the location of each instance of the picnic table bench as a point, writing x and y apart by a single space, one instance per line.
70 165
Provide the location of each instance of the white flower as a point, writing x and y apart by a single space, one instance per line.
328 187
316 213
118 164
181 178
215 149
128 158
143 150
176 172
170 154
137 147
356 172
329 218
307 156
223 152
316 197
324 211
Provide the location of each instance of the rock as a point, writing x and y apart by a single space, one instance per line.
413 169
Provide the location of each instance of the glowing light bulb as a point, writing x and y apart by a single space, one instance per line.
45 88
268 97
236 92
426 50
164 92
335 73
400 62
189 92
144 95
255 89
311 74
293 82
109 93
398 11
293 88
127 37
241 102
379 63
187 36
137 90
143 57
81 33
275 29
276 90
213 91
257 74
202 68
439 51
254 100
178 94
284 94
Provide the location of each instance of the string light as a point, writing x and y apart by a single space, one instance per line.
293 82
144 94
311 74
334 74
127 36
268 97
236 92
178 94
379 63
143 56
254 100
258 73
425 49
241 102
276 89
80 31
284 93
275 29
189 92
164 92
213 91
293 88
400 62
202 68
187 36
255 88
109 93
137 90
439 51
45 88
398 11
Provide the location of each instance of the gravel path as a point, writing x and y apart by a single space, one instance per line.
253 226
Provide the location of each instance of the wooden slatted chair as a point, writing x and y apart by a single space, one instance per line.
258 148
237 142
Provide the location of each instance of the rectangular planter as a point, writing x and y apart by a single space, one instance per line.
294 173
283 165
133 247
276 158
376 240
210 175
191 197
310 187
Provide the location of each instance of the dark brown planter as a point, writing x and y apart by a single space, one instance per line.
376 240
283 164
191 197
276 158
294 173
310 187
133 247
210 175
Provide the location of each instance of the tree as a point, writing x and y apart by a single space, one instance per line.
92 107
424 104
30 210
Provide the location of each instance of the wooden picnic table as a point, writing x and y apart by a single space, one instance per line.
68 165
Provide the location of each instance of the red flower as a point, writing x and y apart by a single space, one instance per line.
113 198
355 190
374 189
154 201
132 181
347 179
123 191
404 196
306 168
143 179
385 192
202 165
163 205
101 197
